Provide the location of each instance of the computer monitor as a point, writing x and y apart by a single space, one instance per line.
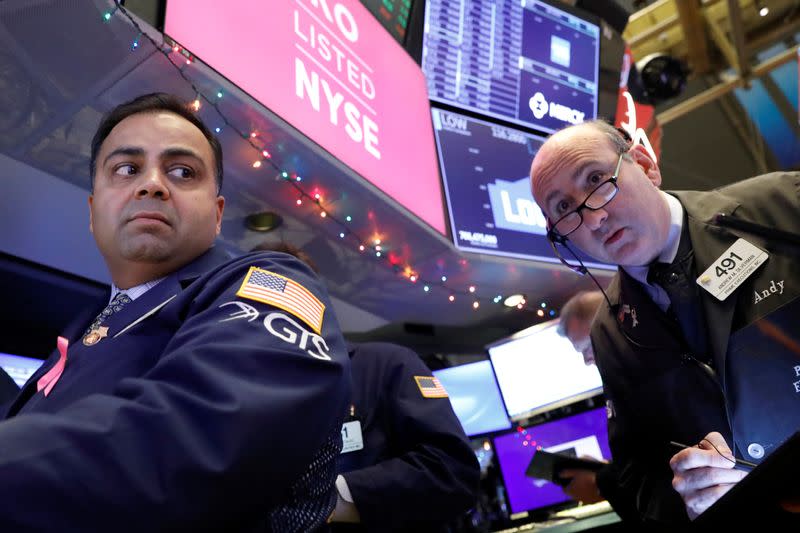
529 62
18 367
584 434
484 167
538 370
475 398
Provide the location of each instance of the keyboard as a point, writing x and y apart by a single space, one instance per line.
584 511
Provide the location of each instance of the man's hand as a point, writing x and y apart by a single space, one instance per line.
702 474
344 511
582 486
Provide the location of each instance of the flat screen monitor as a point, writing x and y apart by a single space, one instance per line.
523 61
18 367
485 171
538 370
577 435
475 398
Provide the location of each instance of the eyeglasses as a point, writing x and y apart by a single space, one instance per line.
597 199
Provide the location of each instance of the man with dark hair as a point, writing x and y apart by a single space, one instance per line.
208 394
148 103
698 345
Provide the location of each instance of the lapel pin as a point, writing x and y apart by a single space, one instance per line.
95 336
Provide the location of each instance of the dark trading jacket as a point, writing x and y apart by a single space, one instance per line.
197 418
658 389
417 471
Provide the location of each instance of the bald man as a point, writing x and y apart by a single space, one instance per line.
697 344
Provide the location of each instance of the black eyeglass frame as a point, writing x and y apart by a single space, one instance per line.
555 237
612 179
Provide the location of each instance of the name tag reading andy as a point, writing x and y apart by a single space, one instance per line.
351 437
731 269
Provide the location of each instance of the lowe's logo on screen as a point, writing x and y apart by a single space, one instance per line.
513 207
541 107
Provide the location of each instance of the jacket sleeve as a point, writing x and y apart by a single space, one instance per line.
433 474
211 436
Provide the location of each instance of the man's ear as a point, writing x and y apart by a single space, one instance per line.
91 226
642 158
220 209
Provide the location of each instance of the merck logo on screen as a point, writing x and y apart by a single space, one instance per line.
347 103
513 207
540 107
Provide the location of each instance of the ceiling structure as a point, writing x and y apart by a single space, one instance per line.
62 67
723 42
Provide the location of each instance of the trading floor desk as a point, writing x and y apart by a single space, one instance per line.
594 517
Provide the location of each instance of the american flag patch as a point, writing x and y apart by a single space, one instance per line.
273 289
430 387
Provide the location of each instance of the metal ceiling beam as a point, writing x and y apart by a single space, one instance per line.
778 32
724 44
725 87
744 129
653 31
693 24
742 64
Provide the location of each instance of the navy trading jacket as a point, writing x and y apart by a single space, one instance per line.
205 407
416 471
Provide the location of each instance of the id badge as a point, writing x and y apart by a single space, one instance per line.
352 440
732 268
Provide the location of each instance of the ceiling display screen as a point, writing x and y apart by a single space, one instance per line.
523 61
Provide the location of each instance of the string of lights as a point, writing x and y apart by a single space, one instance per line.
180 58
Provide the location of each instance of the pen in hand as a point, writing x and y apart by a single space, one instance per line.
741 464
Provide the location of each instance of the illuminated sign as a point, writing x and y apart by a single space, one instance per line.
331 70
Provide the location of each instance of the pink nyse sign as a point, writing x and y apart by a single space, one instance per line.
332 71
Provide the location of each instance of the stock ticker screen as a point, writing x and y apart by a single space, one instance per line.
522 61
393 14
485 167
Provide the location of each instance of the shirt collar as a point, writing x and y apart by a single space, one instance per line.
134 292
675 229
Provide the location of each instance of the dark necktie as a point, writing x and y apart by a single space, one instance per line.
119 301
677 280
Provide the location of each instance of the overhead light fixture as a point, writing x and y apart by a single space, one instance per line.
514 300
264 221
763 10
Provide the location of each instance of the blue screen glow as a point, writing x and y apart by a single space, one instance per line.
475 398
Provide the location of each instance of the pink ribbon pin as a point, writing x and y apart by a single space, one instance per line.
48 381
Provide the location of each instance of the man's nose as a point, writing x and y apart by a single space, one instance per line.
153 184
594 219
